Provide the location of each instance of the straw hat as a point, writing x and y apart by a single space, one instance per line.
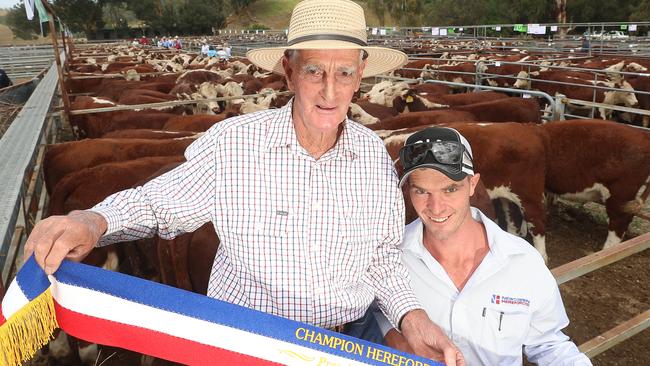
328 24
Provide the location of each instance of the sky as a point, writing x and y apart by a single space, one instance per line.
8 3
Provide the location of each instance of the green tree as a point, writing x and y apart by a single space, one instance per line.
199 16
16 19
239 5
80 15
641 11
600 10
185 17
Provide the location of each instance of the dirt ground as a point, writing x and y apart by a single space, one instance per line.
600 300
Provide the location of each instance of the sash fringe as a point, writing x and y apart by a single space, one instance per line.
29 329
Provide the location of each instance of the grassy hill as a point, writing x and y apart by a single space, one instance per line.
275 14
7 36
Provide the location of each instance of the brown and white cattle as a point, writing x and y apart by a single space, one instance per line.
579 85
600 161
68 157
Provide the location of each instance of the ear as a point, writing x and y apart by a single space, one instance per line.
288 72
473 181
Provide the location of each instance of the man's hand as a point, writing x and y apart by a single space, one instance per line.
395 339
428 340
58 237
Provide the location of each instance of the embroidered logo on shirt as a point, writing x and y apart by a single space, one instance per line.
498 299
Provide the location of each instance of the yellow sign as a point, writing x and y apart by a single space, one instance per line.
350 347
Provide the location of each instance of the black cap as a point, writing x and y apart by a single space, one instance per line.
455 172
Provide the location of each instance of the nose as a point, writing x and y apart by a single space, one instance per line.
329 87
435 204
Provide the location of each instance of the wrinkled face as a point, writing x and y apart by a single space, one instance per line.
324 82
441 203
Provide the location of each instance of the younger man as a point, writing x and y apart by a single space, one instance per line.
490 291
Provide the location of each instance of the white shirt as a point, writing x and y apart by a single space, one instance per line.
310 240
510 301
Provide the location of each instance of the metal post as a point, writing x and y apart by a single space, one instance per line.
57 58
602 37
593 99
558 110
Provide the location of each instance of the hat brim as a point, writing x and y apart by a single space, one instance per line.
380 59
452 174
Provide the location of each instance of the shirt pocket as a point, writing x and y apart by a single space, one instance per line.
508 328
352 254
259 244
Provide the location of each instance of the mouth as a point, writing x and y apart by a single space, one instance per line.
440 219
325 108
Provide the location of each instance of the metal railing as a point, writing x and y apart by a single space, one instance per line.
592 262
20 148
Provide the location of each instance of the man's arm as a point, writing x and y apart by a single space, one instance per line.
545 343
176 202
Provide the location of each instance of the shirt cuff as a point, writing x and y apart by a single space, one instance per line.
113 219
400 306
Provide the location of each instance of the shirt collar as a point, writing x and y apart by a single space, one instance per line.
502 249
281 133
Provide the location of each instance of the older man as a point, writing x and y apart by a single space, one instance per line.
305 201
488 289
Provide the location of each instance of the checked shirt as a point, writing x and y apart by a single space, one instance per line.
310 240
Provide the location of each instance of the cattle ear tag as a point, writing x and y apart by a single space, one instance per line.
409 99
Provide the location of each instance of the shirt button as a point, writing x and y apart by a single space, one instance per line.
317 206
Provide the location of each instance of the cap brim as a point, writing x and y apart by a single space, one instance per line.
452 174
380 59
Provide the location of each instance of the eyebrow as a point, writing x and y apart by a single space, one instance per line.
348 69
311 67
452 185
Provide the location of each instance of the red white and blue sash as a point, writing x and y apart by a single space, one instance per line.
114 309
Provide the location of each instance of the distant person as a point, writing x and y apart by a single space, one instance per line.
584 45
489 290
4 79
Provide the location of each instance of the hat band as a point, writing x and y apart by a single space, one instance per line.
328 37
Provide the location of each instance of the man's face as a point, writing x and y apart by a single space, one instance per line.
324 82
441 203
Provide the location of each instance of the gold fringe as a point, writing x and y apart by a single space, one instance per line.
27 330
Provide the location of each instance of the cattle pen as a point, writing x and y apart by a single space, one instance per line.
44 120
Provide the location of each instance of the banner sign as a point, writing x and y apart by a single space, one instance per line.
114 309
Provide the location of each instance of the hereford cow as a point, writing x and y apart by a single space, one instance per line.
68 157
412 119
85 188
600 161
147 134
411 102
578 85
